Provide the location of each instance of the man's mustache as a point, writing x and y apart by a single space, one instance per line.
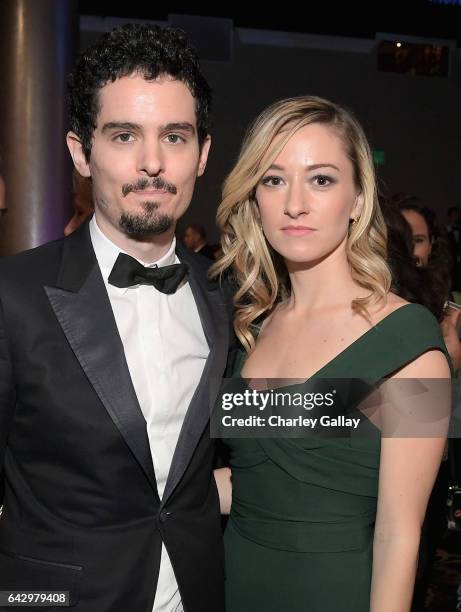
144 183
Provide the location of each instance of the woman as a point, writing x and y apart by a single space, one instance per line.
305 241
410 280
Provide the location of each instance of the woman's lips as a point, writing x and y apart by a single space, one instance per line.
297 230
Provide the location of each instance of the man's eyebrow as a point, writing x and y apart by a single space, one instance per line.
120 125
183 126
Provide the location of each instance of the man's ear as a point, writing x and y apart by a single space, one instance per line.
204 155
75 147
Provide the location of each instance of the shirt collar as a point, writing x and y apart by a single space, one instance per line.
107 252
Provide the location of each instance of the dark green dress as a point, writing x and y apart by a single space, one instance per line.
300 531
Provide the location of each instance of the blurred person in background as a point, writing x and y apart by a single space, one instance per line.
194 238
3 206
453 234
432 252
421 284
82 200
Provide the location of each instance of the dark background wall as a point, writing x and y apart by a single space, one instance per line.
416 120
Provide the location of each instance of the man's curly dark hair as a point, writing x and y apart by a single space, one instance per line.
151 51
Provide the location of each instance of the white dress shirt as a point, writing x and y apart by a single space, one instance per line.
166 350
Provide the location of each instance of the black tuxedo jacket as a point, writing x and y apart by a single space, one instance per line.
81 512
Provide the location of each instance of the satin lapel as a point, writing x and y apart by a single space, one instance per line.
83 309
215 321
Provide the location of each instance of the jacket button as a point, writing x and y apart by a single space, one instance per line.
164 516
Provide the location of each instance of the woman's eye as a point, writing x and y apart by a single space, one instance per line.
322 180
272 181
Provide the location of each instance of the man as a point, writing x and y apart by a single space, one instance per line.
107 366
195 239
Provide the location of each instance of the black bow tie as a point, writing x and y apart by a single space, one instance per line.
128 272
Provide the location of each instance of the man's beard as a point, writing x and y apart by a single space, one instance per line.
147 224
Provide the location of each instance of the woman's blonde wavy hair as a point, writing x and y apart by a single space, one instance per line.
257 270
